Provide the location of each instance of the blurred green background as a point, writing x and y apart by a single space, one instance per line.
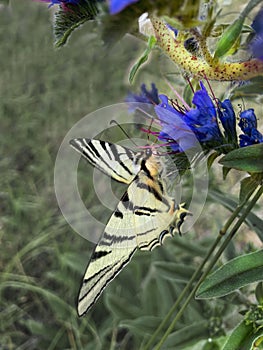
43 93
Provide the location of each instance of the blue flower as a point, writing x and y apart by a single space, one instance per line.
175 132
117 6
256 45
248 124
60 2
182 130
228 119
150 97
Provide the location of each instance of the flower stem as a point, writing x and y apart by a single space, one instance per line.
213 261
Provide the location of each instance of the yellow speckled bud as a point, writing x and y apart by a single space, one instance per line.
198 67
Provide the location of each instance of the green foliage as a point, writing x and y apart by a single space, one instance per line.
143 58
247 186
43 93
246 159
253 221
234 275
243 337
229 38
232 33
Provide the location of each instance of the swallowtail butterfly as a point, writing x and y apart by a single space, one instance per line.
144 217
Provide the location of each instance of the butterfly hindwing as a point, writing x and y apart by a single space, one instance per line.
105 263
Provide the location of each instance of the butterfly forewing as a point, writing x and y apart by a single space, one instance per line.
142 219
113 160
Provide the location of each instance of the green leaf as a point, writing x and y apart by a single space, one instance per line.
229 38
58 305
212 157
252 220
119 307
187 335
242 337
143 58
143 326
259 293
233 275
248 158
4 2
225 171
247 186
173 271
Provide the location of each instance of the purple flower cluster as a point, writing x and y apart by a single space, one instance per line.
183 128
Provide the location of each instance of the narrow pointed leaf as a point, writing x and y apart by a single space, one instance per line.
119 307
143 58
144 325
229 38
211 159
187 335
233 275
173 271
248 158
248 185
242 337
259 293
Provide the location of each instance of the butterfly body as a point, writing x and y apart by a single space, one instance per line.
144 217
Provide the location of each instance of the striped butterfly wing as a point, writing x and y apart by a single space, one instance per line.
143 218
155 214
113 160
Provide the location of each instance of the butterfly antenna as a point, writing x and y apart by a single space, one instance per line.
113 121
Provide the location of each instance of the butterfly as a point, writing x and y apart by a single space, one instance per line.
143 218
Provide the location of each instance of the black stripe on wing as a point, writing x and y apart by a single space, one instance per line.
104 276
89 149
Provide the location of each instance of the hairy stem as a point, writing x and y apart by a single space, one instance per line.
198 67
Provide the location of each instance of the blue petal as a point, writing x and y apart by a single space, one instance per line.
204 103
117 6
146 96
245 140
248 121
174 127
255 138
228 119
